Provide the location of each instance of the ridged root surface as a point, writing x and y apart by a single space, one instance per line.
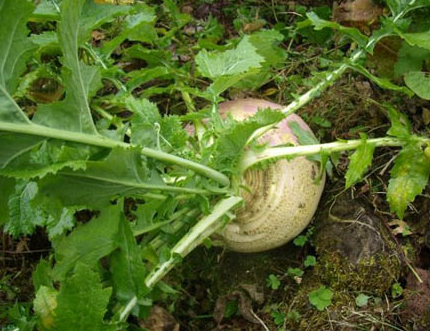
280 200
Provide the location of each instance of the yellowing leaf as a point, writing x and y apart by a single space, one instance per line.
44 306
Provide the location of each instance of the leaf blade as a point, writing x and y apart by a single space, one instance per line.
409 176
359 161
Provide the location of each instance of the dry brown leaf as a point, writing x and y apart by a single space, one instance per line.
358 11
426 116
244 307
159 319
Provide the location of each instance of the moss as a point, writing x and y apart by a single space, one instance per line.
373 275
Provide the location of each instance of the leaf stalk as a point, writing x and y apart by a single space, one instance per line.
252 157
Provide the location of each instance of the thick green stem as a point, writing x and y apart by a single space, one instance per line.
202 230
193 238
98 140
251 157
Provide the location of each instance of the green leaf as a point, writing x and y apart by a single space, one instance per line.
122 172
410 58
23 217
82 81
418 82
46 10
354 33
305 28
82 302
266 43
44 305
397 6
359 161
306 137
221 84
231 142
138 26
396 290
421 39
231 62
7 187
382 82
42 275
16 49
62 220
362 300
140 77
149 128
310 261
295 272
15 144
321 298
400 125
126 266
46 157
88 242
409 177
273 282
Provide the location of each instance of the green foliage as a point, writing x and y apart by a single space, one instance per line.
353 33
229 67
111 143
418 82
362 300
321 298
273 282
232 140
359 161
310 261
82 81
87 243
231 62
408 179
13 33
127 266
81 302
278 317
23 219
396 290
295 272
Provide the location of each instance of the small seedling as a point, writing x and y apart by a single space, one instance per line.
396 290
362 300
310 261
273 282
321 298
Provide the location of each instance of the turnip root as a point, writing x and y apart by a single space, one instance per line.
281 200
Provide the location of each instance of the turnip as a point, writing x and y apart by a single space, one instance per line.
280 200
